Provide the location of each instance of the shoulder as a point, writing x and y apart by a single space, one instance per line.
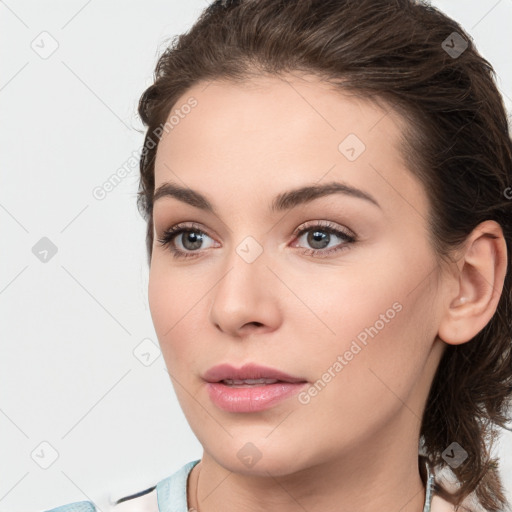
441 505
168 494
144 501
446 481
76 506
470 504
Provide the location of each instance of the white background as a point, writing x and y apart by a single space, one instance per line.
68 374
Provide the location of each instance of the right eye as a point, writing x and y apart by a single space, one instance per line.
188 236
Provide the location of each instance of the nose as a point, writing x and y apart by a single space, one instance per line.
246 298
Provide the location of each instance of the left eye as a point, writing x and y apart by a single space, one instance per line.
319 236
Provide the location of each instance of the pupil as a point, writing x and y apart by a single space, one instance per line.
319 236
194 238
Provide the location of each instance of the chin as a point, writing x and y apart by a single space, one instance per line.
257 456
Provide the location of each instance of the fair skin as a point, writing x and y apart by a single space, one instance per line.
353 446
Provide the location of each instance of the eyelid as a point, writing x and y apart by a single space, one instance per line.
324 224
176 229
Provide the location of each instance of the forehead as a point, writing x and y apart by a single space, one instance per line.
302 102
278 132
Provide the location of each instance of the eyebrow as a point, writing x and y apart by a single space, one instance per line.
284 201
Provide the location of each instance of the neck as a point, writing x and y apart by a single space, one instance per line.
382 474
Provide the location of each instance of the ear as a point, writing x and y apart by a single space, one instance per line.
479 282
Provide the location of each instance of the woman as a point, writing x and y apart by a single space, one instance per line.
326 186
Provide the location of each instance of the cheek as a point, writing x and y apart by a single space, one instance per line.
379 352
345 304
175 305
160 297
381 319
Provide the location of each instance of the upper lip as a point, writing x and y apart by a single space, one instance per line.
247 371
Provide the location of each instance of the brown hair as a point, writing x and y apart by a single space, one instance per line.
404 52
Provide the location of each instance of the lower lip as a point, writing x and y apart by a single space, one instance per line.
251 398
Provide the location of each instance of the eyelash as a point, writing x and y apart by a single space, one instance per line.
167 239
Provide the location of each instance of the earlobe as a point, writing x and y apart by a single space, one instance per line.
481 274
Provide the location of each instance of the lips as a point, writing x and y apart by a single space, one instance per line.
250 374
251 388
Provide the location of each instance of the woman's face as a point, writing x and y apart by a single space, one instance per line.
340 289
